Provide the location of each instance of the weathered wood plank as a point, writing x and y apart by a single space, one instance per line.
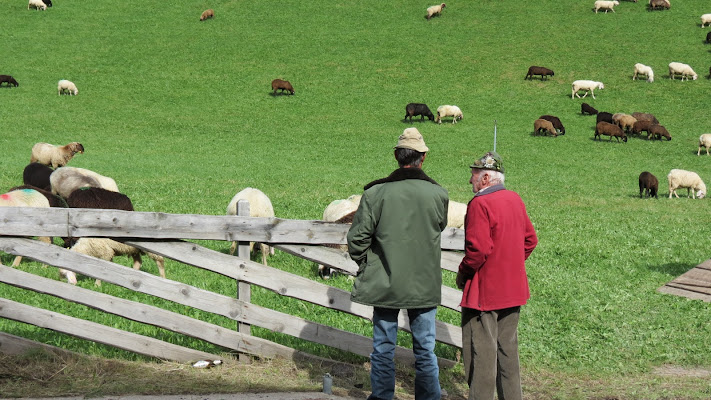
684 293
100 333
16 345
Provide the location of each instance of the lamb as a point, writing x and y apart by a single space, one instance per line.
259 206
9 80
24 198
608 129
626 122
705 141
641 126
659 5
56 156
645 117
604 116
705 20
209 13
641 69
283 85
65 180
448 111
67 86
542 71
37 174
37 5
555 121
586 108
587 86
435 10
414 109
545 126
657 131
606 5
649 184
682 69
679 178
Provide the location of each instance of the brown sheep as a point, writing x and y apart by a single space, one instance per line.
608 129
641 126
545 126
649 184
645 117
283 85
626 122
542 71
657 131
209 13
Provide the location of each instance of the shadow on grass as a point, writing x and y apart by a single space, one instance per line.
673 269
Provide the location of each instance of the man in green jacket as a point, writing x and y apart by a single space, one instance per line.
396 241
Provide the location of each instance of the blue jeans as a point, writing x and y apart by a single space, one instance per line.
382 371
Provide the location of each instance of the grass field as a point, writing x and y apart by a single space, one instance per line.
179 112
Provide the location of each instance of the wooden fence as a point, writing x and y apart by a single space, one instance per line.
166 235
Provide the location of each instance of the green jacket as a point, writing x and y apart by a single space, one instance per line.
396 241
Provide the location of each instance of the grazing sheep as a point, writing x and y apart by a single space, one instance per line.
37 5
339 211
67 86
555 121
657 131
586 108
435 10
37 174
414 109
659 5
587 86
626 122
542 71
448 111
24 198
682 69
9 80
604 116
56 156
259 206
283 85
641 126
65 180
48 3
679 178
649 184
708 37
608 129
705 20
107 249
641 69
545 126
645 117
606 5
704 141
209 13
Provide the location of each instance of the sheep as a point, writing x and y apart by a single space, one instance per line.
705 141
9 80
107 249
65 180
53 199
435 10
24 198
606 5
455 214
340 211
705 20
448 111
259 206
679 178
48 3
649 184
608 129
645 117
604 116
641 126
586 108
542 71
708 37
626 122
414 109
682 69
37 5
56 156
209 13
587 86
641 69
657 131
98 198
67 86
659 5
555 121
283 85
545 126
37 174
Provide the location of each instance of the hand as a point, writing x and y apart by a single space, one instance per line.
462 280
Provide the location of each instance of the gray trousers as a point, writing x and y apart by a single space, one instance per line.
490 353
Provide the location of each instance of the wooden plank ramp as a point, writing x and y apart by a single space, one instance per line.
694 284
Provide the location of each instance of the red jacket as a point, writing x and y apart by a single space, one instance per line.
499 237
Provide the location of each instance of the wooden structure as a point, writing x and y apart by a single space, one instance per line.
694 284
165 234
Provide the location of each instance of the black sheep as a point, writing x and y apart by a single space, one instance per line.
649 184
604 116
10 80
542 71
47 3
708 37
37 174
414 109
586 108
94 197
555 121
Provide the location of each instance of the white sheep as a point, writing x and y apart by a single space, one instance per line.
338 208
107 249
68 86
448 111
679 178
37 5
704 141
705 20
435 10
56 156
24 198
682 69
65 180
455 214
641 69
259 206
587 86
606 5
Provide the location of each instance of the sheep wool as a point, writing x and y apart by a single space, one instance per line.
56 156
705 20
679 178
37 5
641 69
67 86
209 13
606 5
434 10
65 180
704 141
448 111
259 206
24 198
682 69
587 86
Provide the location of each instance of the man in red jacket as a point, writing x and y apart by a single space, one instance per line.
499 237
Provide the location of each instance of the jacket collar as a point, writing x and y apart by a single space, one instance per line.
490 190
402 174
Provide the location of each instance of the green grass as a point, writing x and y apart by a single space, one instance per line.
179 113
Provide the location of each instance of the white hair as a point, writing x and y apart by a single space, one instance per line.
495 177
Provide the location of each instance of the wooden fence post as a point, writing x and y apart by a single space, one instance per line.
244 291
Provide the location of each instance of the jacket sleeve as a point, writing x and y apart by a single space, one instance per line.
531 240
360 235
478 244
